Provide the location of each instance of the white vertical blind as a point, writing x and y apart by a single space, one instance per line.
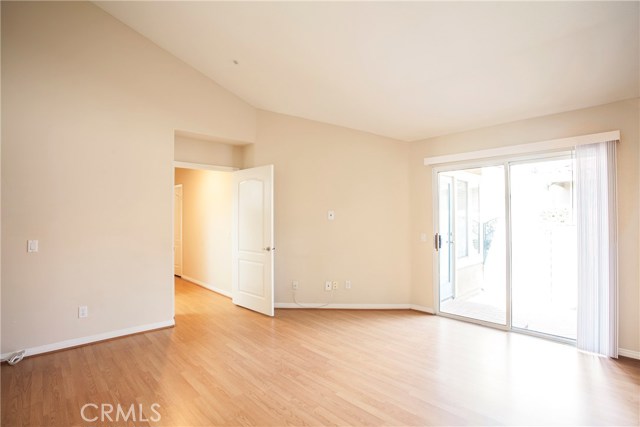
597 248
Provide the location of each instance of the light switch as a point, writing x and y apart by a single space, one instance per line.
32 246
331 215
423 237
83 311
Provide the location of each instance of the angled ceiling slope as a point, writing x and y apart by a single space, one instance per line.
406 70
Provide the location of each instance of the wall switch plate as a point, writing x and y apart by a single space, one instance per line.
32 246
335 285
331 215
327 285
423 237
294 285
347 284
83 311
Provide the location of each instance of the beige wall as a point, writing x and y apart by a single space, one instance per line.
206 227
89 110
623 116
365 179
194 150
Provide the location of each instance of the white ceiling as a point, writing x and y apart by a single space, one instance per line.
407 70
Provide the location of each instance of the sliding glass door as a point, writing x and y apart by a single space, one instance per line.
509 261
544 247
471 243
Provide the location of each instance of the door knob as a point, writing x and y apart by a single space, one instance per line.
269 249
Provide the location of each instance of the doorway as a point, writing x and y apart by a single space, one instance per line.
205 214
506 245
226 232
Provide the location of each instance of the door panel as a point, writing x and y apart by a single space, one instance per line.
251 216
472 259
253 248
250 276
544 242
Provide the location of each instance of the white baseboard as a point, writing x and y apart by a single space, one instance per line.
61 345
207 286
339 306
629 353
343 306
422 308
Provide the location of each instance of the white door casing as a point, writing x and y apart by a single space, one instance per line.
177 230
253 246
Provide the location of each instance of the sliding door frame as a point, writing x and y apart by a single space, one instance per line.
436 225
505 162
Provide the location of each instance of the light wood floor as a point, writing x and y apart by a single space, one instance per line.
223 365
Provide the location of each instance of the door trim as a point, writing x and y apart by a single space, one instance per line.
202 166
175 187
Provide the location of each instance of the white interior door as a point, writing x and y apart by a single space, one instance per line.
253 245
177 230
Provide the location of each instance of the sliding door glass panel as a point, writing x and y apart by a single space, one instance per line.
472 257
544 247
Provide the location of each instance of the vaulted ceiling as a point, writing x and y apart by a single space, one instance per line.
407 70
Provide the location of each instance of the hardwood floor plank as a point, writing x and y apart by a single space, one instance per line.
226 366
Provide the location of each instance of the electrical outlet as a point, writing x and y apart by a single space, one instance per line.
294 285
328 286
347 284
335 286
83 311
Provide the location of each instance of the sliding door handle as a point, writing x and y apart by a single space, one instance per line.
437 241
